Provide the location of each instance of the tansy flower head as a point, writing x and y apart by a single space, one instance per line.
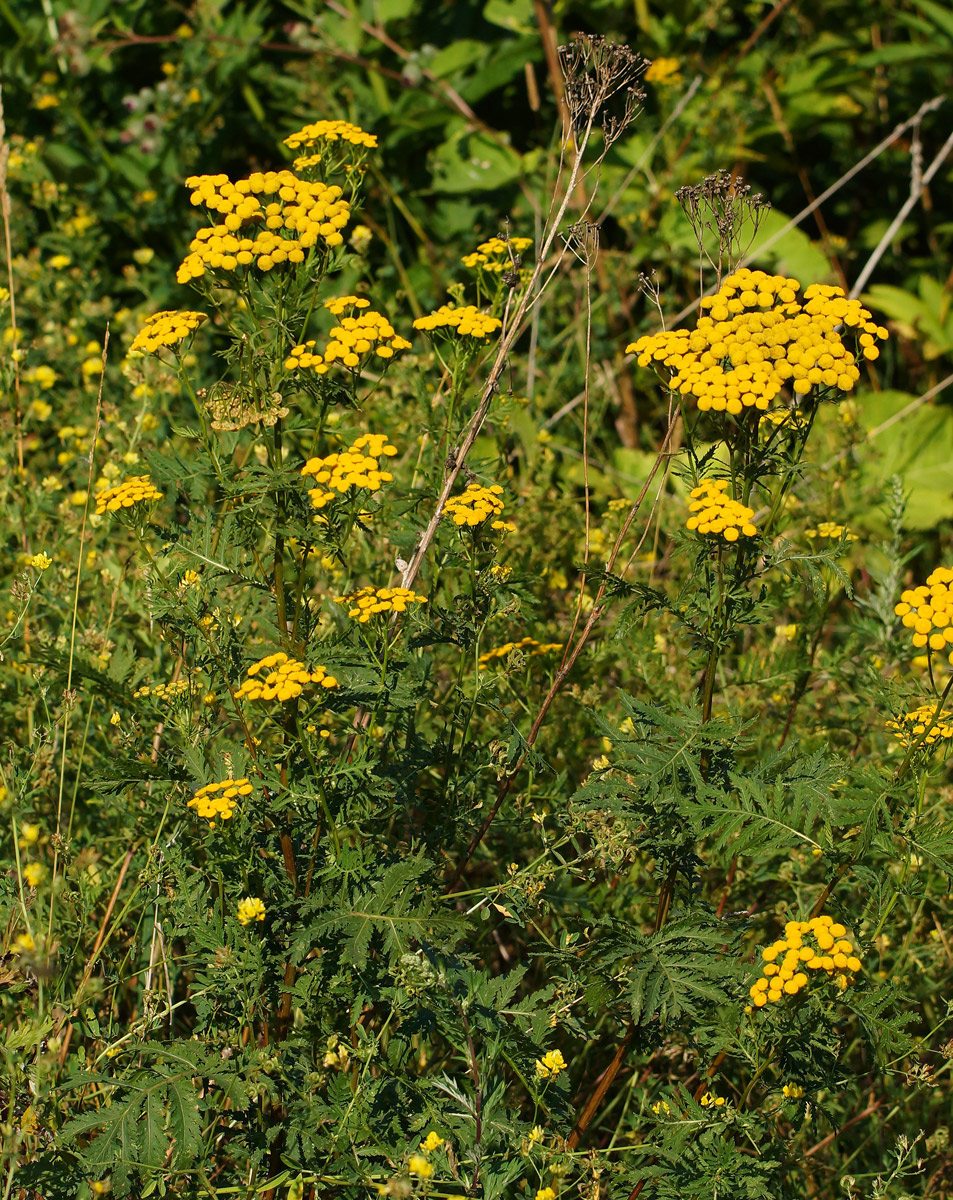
912 725
250 909
476 505
356 467
166 329
268 219
465 321
217 801
715 513
368 602
322 136
351 344
494 256
138 489
340 304
928 611
527 645
754 337
818 947
278 677
830 529
549 1066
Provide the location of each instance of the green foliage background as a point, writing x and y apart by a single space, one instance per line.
145 1046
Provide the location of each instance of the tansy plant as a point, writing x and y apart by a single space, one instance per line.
404 798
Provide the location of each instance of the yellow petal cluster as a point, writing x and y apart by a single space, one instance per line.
350 342
250 909
830 529
755 337
165 329
911 725
328 132
710 1100
529 646
712 511
476 505
163 691
928 611
819 945
340 304
549 1066
465 320
291 217
279 677
493 254
358 466
217 801
138 489
367 602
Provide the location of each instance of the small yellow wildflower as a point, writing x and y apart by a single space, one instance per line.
710 1100
367 602
34 874
476 505
40 562
250 909
527 645
281 678
48 100
418 1165
818 946
910 726
115 719
546 1193
432 1141
792 1091
494 256
830 529
166 329
137 489
29 834
535 1135
663 71
465 321
217 801
23 943
928 611
357 467
549 1066
661 1107
714 512
321 134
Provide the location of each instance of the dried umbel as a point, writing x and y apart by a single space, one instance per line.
597 71
719 210
232 406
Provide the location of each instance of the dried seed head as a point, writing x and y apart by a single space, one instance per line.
597 71
719 208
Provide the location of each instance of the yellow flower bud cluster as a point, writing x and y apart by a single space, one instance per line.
928 611
217 801
830 529
350 341
250 909
165 329
714 512
912 725
754 337
163 691
367 602
279 677
529 646
138 489
466 321
476 505
321 134
494 255
358 466
818 945
549 1066
302 213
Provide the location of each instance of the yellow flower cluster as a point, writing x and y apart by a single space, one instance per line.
755 337
250 909
792 1091
301 214
323 134
911 725
928 611
787 962
476 505
367 602
710 1100
165 329
163 691
138 489
466 321
714 512
830 529
549 1066
529 646
340 304
420 1166
279 677
354 337
358 466
493 255
216 801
